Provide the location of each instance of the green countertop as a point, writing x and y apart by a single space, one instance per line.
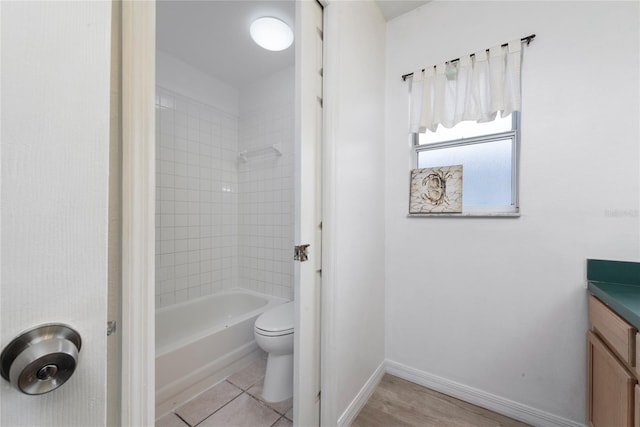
623 299
617 284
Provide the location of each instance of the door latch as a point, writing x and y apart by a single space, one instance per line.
111 327
300 253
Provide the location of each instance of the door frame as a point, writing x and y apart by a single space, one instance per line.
138 214
308 209
137 330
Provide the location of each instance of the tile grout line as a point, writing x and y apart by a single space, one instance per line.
277 421
243 390
181 419
263 404
218 410
260 402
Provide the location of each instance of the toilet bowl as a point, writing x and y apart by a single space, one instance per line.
273 331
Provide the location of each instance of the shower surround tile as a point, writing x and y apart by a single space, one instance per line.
210 206
266 202
197 199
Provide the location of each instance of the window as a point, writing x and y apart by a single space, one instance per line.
488 153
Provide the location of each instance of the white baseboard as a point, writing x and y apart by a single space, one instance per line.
361 398
481 398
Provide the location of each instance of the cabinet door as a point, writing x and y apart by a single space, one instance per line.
613 330
636 423
611 387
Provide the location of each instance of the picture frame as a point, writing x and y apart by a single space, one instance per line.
436 190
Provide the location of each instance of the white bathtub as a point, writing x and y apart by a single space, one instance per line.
199 341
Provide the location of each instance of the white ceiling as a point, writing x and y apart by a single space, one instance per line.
394 8
213 35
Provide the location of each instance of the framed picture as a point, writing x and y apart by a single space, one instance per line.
436 190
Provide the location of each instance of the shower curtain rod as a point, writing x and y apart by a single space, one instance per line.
522 40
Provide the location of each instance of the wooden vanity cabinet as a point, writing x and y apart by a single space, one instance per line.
637 355
636 423
614 395
611 387
613 330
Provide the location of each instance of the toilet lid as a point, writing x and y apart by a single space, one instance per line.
279 319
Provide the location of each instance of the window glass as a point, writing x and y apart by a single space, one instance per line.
467 129
486 167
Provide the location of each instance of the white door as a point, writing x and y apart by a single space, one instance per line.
55 71
306 409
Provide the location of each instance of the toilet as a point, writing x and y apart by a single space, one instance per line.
273 331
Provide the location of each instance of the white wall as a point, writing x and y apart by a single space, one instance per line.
265 182
272 90
353 273
55 170
500 304
178 76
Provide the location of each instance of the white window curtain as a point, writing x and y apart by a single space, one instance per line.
475 88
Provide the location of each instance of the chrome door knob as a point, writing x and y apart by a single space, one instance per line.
41 359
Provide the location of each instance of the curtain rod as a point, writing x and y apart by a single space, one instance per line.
522 40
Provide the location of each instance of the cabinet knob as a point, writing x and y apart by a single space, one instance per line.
41 359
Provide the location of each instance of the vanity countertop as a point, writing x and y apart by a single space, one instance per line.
617 284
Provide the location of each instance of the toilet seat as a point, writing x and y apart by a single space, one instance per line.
276 322
273 333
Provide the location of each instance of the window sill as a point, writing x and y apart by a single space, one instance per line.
467 215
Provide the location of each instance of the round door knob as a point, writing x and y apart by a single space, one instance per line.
41 359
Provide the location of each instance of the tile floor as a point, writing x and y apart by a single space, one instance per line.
236 401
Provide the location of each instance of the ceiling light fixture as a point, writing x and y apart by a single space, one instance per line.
271 33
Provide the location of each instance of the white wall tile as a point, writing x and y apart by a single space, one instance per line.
186 177
263 180
211 209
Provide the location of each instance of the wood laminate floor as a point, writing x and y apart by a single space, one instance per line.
398 403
